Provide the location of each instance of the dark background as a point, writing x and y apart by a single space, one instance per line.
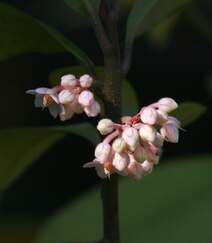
178 68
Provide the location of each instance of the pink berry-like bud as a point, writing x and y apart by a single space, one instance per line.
92 110
147 166
120 161
162 117
131 137
65 96
135 169
68 80
139 154
174 121
149 115
85 81
147 133
119 145
86 98
167 105
170 133
159 140
105 126
102 152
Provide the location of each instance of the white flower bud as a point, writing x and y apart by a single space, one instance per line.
93 110
86 98
147 166
68 80
105 126
170 133
135 169
131 137
85 81
149 115
120 161
147 133
167 104
65 96
102 152
119 145
139 154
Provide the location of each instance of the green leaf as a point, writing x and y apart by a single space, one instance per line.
77 5
147 13
189 112
22 146
173 204
24 34
130 104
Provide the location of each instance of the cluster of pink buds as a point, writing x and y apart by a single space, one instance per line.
133 147
70 97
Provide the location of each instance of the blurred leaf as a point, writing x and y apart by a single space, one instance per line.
189 112
77 5
130 104
20 147
173 204
147 13
23 34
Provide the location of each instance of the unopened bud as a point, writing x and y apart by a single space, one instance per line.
149 115
167 104
105 126
135 169
85 81
86 98
93 110
102 152
131 137
139 154
159 140
147 133
170 133
119 145
147 166
120 161
65 96
174 121
68 80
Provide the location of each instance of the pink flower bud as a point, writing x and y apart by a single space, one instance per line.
120 161
162 117
131 137
147 166
147 133
159 140
119 145
68 80
170 133
65 96
102 152
139 154
149 115
135 169
66 112
93 110
105 126
174 121
86 98
167 105
85 81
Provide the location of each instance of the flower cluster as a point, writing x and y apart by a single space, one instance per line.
133 147
70 97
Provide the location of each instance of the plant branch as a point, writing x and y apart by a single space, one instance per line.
127 58
101 35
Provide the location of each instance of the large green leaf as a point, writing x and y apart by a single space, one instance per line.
78 6
173 204
20 147
130 104
23 34
189 112
146 13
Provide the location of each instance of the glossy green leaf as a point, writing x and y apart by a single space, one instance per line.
130 104
22 146
78 6
189 112
173 204
147 13
23 34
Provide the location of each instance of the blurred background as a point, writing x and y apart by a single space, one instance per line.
174 59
